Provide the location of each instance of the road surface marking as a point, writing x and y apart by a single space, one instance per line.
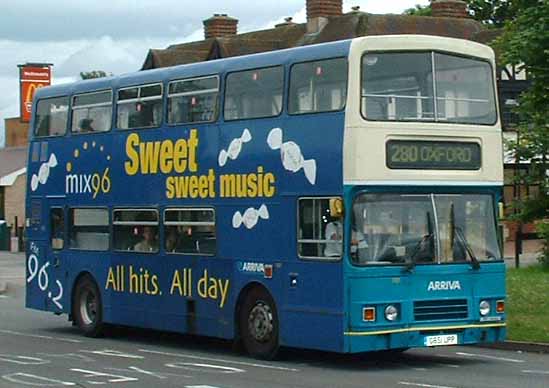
35 380
538 372
489 357
22 360
208 368
70 356
10 332
420 369
423 385
115 379
200 386
113 353
183 355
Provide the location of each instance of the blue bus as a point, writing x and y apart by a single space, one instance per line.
341 197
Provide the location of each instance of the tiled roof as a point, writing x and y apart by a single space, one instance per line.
12 159
347 26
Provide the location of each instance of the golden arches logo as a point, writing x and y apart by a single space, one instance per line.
31 89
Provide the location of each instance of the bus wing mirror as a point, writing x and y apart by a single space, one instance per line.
336 207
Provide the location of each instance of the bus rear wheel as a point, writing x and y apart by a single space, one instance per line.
259 324
87 309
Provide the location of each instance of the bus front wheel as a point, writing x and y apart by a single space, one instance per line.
87 310
259 324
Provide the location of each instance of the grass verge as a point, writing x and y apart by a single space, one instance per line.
528 304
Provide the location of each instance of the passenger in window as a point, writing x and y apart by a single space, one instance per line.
57 230
149 242
172 239
334 237
86 125
334 233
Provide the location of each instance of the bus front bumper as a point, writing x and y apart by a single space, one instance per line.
424 336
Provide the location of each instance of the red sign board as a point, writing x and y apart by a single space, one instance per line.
31 77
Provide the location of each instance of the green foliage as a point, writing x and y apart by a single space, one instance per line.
525 44
543 231
93 74
527 306
419 10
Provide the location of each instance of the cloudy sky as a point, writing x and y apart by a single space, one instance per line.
115 35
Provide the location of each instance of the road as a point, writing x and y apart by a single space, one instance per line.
40 349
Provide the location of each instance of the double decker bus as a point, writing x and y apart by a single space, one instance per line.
340 197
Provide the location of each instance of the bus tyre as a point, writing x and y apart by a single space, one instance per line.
259 324
87 309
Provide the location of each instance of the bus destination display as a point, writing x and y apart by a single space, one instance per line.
433 155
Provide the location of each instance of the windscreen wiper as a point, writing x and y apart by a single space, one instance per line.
417 248
461 236
456 231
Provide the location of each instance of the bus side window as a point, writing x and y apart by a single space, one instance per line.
135 230
190 231
319 234
57 228
319 86
51 117
92 112
89 229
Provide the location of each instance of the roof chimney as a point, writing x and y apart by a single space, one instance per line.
449 8
324 8
219 25
318 12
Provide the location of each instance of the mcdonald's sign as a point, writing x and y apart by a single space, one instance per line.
32 77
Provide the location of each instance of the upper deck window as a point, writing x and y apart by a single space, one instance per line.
319 86
399 87
140 107
193 100
254 93
92 112
51 117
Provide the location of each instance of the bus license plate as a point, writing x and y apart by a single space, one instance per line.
441 340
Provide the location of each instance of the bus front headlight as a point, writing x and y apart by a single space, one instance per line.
391 313
484 307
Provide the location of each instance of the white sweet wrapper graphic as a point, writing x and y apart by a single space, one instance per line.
250 217
34 182
235 147
43 173
291 155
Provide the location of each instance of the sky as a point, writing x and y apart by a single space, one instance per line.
115 35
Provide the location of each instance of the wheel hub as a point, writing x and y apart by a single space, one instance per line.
88 307
260 322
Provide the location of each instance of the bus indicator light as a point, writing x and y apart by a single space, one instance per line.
268 271
369 314
500 306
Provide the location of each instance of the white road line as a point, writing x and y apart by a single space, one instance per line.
538 372
182 355
423 385
10 332
200 386
207 368
113 353
490 357
23 378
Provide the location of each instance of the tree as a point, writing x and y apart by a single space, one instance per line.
419 10
525 44
495 13
94 74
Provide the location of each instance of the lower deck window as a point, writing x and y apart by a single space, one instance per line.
135 230
190 231
89 229
320 235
